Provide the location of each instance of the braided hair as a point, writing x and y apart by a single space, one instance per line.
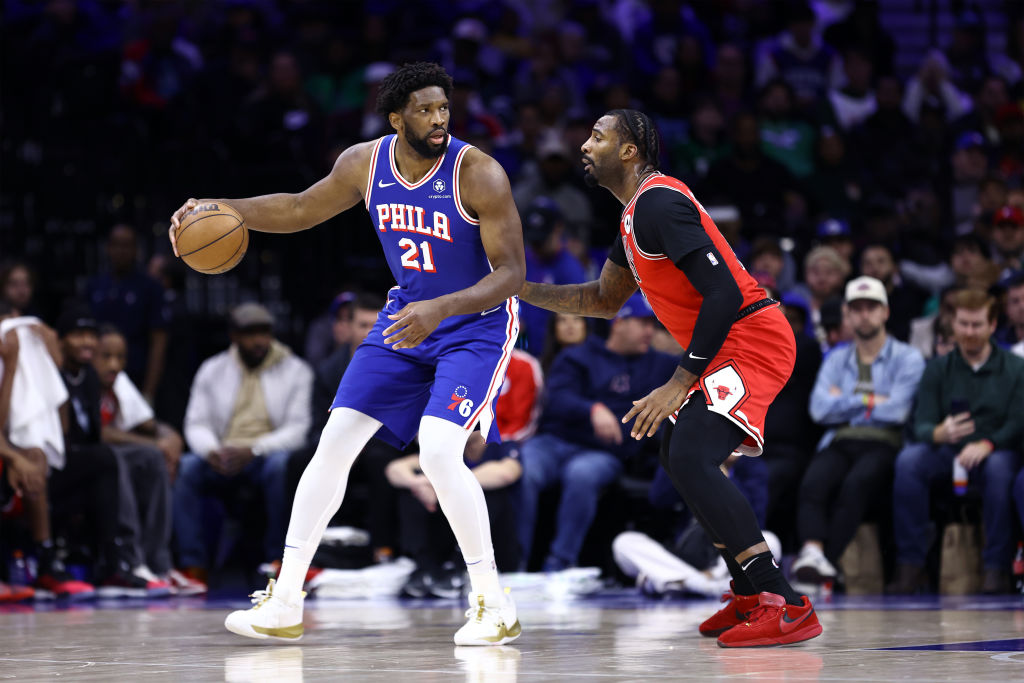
397 86
638 128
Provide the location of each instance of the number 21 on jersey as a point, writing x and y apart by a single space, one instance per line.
410 255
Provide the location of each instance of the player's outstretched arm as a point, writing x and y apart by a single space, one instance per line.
598 298
286 212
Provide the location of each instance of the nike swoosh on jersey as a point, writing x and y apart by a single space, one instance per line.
381 183
697 357
496 308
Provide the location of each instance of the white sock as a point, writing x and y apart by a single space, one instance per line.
320 493
461 499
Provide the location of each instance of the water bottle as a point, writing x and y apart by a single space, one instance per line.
17 570
1018 568
959 478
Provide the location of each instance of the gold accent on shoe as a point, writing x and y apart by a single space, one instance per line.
292 632
505 632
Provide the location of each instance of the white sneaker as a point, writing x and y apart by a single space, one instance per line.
811 566
270 617
489 625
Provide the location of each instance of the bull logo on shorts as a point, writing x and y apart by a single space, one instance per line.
723 392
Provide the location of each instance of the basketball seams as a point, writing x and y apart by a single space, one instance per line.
214 241
243 243
182 230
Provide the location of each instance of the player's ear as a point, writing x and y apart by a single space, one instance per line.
627 151
395 119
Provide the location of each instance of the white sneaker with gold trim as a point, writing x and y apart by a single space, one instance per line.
270 617
489 624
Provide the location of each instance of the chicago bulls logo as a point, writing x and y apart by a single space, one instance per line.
723 392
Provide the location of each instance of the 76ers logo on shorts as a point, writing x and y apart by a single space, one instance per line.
465 406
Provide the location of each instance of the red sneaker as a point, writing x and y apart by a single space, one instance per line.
62 586
774 622
736 611
15 593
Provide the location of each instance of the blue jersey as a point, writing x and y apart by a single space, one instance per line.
431 243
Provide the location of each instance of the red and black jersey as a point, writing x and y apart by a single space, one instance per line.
655 244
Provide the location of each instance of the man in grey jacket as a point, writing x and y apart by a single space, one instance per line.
249 408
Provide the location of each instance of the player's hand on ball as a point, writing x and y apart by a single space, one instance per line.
176 217
413 324
655 407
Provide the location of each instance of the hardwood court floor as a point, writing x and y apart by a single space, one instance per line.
616 637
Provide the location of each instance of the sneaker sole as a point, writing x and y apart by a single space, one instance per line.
247 632
798 636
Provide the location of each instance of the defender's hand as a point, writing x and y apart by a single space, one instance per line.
655 407
176 222
413 324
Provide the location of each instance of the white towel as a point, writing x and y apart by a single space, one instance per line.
132 409
37 394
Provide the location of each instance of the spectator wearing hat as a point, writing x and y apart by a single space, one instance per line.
906 301
1008 239
863 395
331 330
969 408
547 260
835 233
1011 332
582 443
249 408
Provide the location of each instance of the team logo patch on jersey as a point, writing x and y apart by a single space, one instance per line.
438 185
723 392
711 257
460 401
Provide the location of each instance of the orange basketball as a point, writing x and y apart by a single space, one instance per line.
212 238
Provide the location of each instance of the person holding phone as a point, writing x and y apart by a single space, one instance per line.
970 409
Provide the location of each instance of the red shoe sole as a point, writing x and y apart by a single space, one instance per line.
798 636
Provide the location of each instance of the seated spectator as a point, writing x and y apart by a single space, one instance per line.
381 523
249 408
148 452
331 331
132 301
836 233
548 261
425 535
1012 332
854 102
970 408
931 331
825 272
784 137
905 300
563 330
801 58
1008 239
863 393
24 470
582 443
90 464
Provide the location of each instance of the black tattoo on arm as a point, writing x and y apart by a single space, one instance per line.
599 298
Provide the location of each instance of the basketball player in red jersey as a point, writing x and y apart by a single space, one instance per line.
738 353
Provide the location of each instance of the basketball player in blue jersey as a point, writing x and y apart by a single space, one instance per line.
436 359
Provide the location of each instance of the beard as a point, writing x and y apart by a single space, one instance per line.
589 179
423 147
866 333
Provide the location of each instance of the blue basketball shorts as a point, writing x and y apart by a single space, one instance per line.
455 374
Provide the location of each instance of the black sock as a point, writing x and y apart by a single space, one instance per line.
740 583
46 557
766 577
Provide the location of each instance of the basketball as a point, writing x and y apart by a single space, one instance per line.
212 238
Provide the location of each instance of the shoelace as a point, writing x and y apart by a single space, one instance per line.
764 612
261 597
727 596
479 609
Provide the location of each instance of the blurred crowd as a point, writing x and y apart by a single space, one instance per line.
155 421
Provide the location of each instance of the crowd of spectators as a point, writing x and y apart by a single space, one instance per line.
151 418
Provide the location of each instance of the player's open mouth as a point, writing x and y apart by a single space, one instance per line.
437 137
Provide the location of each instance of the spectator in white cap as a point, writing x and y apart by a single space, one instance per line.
249 409
863 396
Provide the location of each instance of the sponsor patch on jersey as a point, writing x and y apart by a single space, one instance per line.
711 257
